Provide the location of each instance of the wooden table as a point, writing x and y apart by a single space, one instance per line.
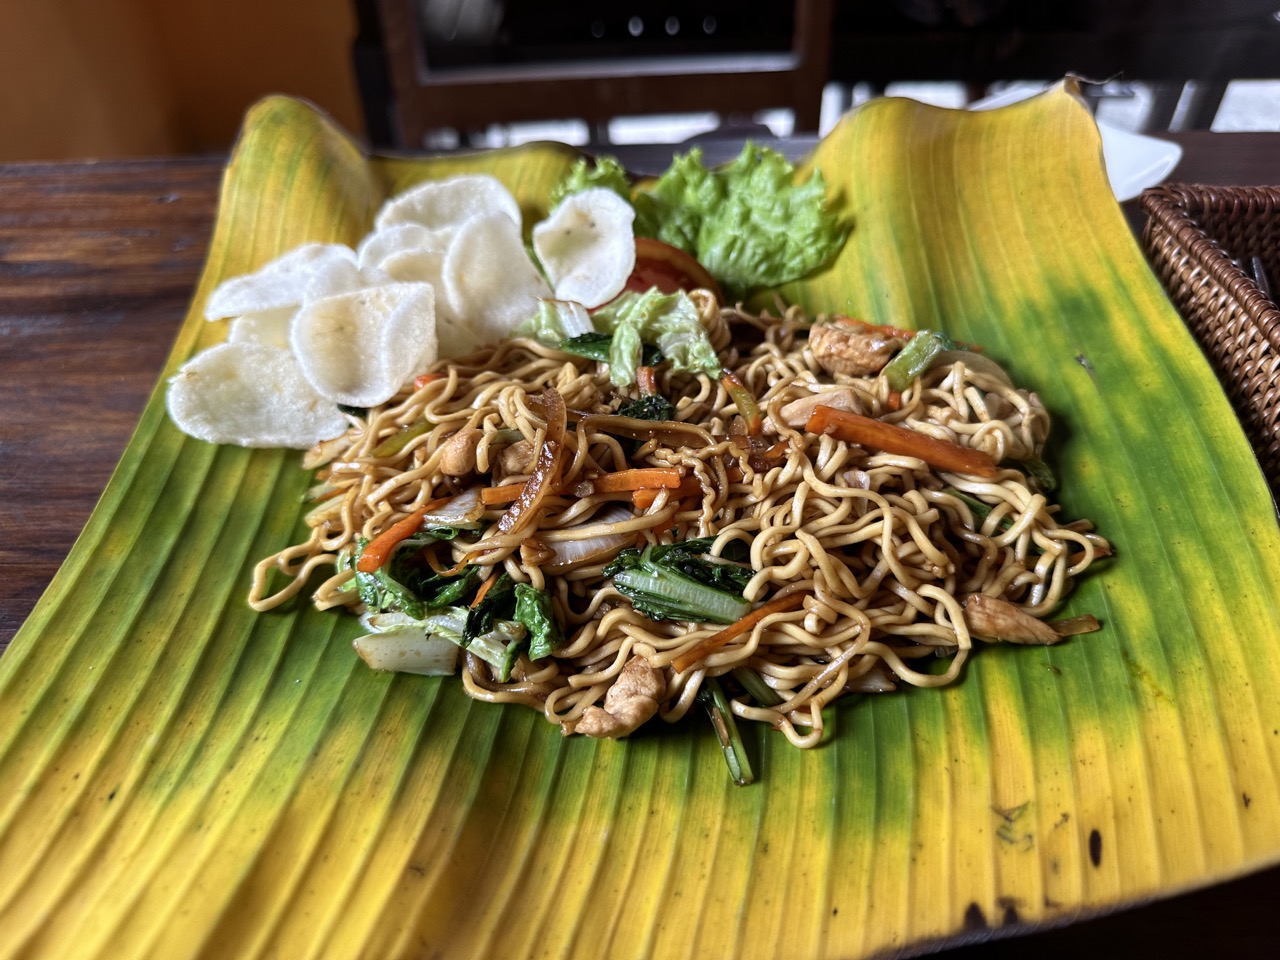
97 264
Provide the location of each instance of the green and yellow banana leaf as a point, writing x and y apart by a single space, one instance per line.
181 777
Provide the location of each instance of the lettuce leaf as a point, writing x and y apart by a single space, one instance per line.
668 320
585 174
407 584
748 222
533 609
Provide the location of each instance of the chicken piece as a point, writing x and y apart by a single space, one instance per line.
855 349
993 619
458 457
517 459
631 701
797 413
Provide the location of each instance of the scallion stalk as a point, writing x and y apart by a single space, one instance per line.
915 358
711 694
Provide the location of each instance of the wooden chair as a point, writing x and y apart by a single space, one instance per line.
472 98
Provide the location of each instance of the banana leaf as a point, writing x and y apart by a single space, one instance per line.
181 777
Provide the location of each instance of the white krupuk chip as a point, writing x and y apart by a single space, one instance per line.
444 204
490 285
382 244
306 273
252 395
587 246
265 326
415 266
359 348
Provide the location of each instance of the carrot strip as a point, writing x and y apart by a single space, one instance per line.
637 478
791 601
646 380
894 402
422 379
377 550
484 588
689 487
852 428
623 481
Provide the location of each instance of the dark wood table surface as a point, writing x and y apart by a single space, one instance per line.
97 265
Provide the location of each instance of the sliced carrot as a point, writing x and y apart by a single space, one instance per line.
646 380
623 481
643 499
377 550
484 588
422 379
492 496
852 428
689 487
791 601
637 478
894 402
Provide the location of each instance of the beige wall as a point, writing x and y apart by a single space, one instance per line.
116 78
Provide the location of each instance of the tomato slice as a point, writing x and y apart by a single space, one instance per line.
669 269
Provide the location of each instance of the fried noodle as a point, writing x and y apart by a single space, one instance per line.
883 546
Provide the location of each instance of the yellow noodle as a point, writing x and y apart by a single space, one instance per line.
883 547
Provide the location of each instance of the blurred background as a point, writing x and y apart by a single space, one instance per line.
119 78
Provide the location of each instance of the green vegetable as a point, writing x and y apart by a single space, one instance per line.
1041 473
669 320
508 619
407 584
979 509
982 510
511 634
915 358
653 406
747 222
603 171
756 688
596 346
497 604
545 325
446 533
680 582
533 609
499 646
674 207
401 438
712 696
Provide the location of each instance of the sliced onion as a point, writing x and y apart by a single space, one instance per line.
601 545
323 452
466 508
876 680
545 472
673 433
